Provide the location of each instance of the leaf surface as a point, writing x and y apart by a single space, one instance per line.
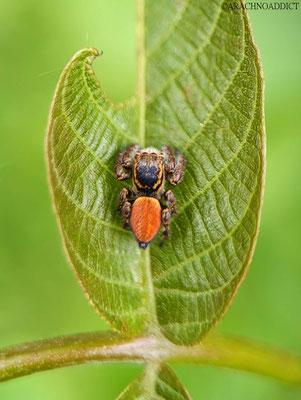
157 383
200 89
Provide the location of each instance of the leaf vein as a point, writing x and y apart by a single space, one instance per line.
187 63
205 251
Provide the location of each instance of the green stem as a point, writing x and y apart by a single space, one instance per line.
245 355
109 346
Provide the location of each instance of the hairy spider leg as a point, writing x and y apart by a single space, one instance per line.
124 162
169 159
171 200
177 176
165 216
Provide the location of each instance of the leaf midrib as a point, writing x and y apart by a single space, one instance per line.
142 101
141 60
153 324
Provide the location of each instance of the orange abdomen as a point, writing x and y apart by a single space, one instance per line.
145 219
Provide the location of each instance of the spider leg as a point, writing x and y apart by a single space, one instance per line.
123 198
165 216
126 211
171 200
124 162
128 155
169 159
175 177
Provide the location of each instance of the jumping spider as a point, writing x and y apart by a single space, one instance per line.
141 208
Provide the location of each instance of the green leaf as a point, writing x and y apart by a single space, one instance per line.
200 89
157 383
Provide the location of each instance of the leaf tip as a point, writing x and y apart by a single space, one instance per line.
87 54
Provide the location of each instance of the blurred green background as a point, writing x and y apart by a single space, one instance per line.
39 296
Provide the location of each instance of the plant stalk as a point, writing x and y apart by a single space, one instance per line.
94 347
